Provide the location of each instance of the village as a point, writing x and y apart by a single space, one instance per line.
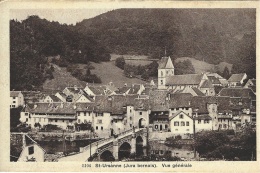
134 121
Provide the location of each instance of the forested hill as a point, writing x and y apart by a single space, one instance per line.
35 39
212 35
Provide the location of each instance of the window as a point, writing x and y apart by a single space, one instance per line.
156 126
26 113
85 121
140 113
187 129
220 126
161 73
130 118
199 121
182 123
181 116
130 110
31 150
84 113
13 101
166 126
101 127
161 151
96 127
187 123
224 126
161 82
130 125
99 121
78 120
26 120
176 129
206 121
13 106
176 123
13 97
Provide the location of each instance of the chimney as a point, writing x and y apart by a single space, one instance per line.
75 87
74 107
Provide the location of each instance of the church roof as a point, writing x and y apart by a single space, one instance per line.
187 79
165 62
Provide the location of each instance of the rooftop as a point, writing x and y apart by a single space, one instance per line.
236 77
187 79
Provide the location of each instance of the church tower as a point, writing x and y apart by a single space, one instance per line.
165 69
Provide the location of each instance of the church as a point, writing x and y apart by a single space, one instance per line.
167 80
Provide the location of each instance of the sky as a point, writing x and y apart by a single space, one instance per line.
68 16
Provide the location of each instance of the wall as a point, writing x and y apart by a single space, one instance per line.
38 154
182 129
141 114
203 125
84 117
102 120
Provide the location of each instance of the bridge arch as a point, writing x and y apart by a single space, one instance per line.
107 156
139 146
142 122
124 151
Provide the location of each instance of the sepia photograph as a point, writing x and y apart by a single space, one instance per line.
128 87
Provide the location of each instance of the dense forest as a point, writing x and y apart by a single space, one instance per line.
211 35
34 40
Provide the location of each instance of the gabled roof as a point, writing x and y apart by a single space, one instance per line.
134 89
98 90
214 80
54 108
74 90
62 95
14 93
200 103
54 98
197 91
238 92
180 100
177 113
165 63
206 84
187 79
158 100
216 75
236 77
123 89
17 143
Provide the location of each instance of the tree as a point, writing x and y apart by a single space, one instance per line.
184 67
226 73
208 141
120 62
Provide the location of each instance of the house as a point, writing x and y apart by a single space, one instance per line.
181 124
159 106
61 96
206 105
51 99
41 114
215 78
207 88
215 81
136 89
237 80
16 99
193 91
93 91
251 83
24 149
202 122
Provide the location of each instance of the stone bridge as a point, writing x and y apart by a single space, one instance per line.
132 141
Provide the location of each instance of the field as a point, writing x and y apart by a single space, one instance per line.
108 72
62 79
201 66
